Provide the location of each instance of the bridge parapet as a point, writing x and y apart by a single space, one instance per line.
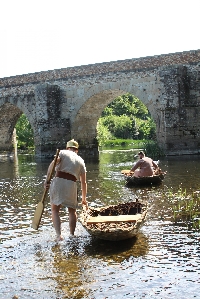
128 65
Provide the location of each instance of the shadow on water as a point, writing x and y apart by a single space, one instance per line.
117 251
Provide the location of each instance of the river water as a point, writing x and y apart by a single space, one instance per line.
163 261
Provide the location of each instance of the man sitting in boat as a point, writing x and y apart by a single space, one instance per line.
144 167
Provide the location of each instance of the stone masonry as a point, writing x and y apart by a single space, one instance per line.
67 103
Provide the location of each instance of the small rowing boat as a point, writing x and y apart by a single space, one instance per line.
131 180
114 222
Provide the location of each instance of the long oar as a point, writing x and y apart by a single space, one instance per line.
40 207
126 172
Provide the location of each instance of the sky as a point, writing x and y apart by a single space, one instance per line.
41 35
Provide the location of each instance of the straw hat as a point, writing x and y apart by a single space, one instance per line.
72 143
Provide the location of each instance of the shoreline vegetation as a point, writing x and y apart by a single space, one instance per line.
150 147
186 208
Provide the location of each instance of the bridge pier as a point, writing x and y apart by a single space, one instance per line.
49 150
51 130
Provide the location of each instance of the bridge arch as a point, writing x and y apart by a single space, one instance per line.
11 109
83 126
88 115
9 116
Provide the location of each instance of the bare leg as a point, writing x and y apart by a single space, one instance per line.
56 221
72 220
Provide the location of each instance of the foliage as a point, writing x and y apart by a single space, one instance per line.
151 148
146 128
127 117
103 133
128 105
24 133
119 126
123 144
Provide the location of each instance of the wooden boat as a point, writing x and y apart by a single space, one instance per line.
131 180
115 222
149 180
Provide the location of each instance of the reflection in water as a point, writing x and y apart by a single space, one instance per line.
117 252
76 259
163 261
16 165
68 265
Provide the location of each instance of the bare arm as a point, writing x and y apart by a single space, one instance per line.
136 166
84 188
154 164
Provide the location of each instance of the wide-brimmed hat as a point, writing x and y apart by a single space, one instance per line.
72 143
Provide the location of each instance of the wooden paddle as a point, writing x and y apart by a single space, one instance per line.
126 171
40 207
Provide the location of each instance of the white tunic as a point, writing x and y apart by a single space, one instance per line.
62 191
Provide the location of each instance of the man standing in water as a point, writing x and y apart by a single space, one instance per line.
63 189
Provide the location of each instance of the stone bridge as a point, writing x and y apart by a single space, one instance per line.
67 103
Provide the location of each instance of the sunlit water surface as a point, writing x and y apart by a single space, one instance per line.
163 261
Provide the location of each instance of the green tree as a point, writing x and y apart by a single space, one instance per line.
24 133
128 105
146 128
119 126
127 117
103 133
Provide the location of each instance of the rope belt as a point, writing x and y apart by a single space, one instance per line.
65 175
